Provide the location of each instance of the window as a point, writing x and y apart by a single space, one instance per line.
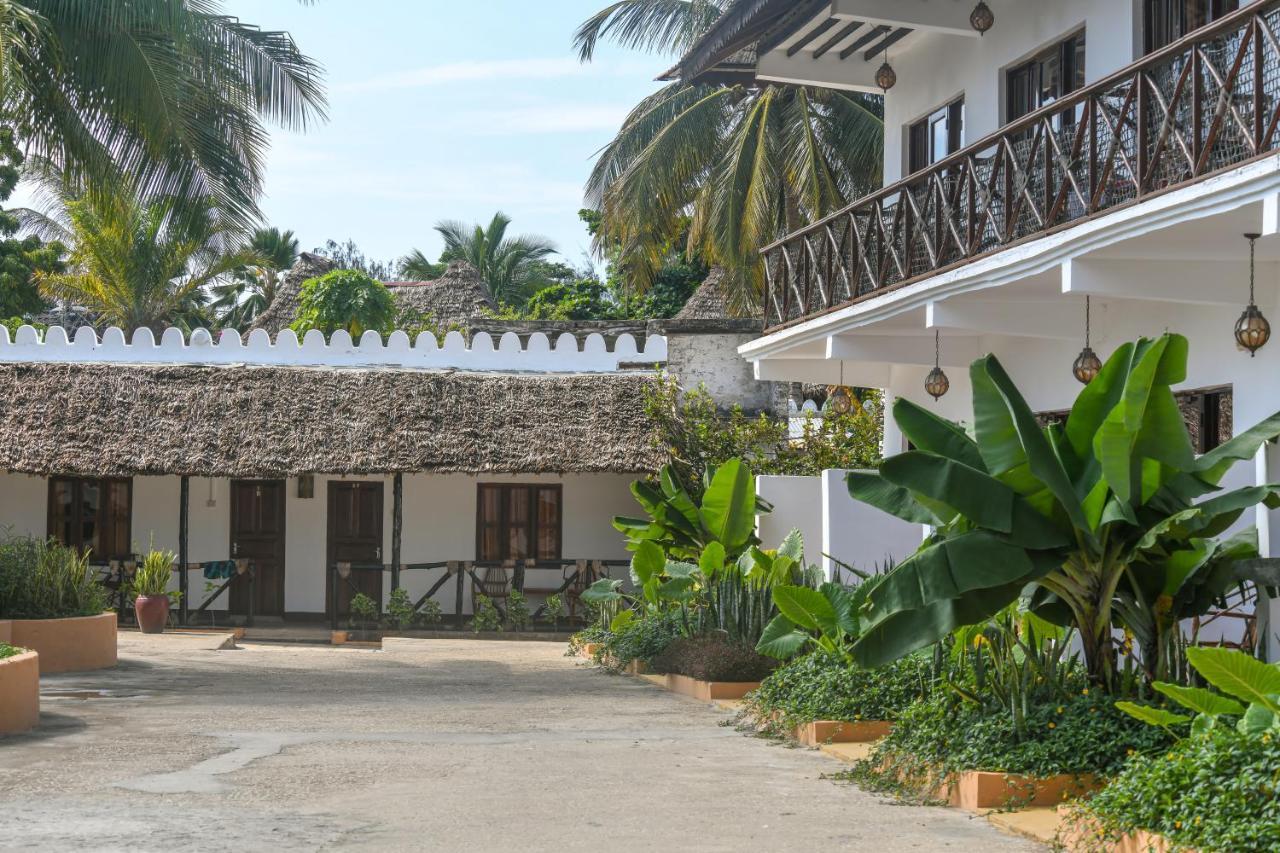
92 515
518 521
1046 77
1166 21
934 137
1206 412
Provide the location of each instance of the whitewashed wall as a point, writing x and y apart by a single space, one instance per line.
858 534
439 524
797 504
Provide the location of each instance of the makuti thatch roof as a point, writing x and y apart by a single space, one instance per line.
452 299
283 309
239 421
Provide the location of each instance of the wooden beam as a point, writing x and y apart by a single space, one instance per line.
888 42
843 33
807 39
184 528
397 524
864 40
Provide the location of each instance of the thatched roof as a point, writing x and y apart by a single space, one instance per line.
283 309
709 301
453 298
121 420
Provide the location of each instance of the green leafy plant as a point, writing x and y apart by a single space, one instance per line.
820 686
485 616
364 611
46 580
825 618
517 610
712 658
400 612
553 609
154 575
430 614
1099 511
8 651
1250 691
344 299
638 639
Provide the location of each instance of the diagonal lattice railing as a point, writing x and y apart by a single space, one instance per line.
1208 102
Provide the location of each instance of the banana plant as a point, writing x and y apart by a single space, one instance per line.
659 582
1069 513
683 529
1251 688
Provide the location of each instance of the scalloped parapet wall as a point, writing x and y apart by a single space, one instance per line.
538 356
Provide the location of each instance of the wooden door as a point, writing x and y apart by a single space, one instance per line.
257 534
355 536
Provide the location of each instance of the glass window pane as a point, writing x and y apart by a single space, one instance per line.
115 537
61 524
548 524
90 503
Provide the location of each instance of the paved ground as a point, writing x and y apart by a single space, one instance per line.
429 745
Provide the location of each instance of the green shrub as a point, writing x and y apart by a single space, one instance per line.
712 659
641 639
154 575
820 686
429 613
1217 792
399 609
344 299
486 616
517 610
46 580
364 611
8 651
554 609
1081 733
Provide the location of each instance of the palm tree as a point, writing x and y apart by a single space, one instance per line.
173 94
504 262
251 289
416 266
137 262
749 162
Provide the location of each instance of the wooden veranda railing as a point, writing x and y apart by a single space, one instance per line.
1208 102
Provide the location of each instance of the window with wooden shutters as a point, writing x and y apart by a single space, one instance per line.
1166 21
1049 75
93 515
935 136
518 521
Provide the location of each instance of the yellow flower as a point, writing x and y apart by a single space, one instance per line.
1129 751
1061 709
1084 692
1053 725
1177 824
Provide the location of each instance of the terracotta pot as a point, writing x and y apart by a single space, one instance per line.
152 612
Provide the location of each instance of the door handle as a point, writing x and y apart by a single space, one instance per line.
235 549
378 552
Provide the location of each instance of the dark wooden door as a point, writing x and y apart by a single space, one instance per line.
355 536
257 534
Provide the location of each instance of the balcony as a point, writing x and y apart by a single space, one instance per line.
1200 106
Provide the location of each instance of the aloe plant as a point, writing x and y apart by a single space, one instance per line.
1090 517
1242 678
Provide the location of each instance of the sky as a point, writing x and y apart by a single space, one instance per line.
441 109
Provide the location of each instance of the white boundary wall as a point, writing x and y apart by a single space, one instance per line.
538 356
797 504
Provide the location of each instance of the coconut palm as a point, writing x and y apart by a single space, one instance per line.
750 162
173 94
504 262
251 289
139 262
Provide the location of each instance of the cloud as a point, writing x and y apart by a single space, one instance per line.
493 69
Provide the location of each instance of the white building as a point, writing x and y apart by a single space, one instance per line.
1104 152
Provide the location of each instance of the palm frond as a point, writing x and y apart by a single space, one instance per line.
654 26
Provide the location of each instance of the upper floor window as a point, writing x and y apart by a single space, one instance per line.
1049 75
935 136
92 515
1166 21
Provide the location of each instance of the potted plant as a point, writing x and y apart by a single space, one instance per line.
150 588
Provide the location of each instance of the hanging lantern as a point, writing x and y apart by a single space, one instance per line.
1087 364
886 77
1252 329
840 401
937 383
982 18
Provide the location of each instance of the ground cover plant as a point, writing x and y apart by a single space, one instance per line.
45 580
8 651
1218 788
822 686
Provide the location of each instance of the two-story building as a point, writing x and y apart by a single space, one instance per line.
1060 174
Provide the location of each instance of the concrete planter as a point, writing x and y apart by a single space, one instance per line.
819 732
6 631
19 693
1084 835
708 691
977 790
74 644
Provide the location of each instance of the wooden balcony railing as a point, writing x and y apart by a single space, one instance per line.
1201 105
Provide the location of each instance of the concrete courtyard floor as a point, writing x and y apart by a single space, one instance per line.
426 745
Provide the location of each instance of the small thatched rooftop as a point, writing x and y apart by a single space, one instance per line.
452 299
283 309
122 420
